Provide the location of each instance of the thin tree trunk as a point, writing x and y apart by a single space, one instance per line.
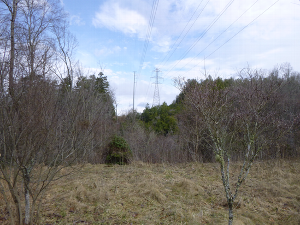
26 178
12 48
27 206
12 220
230 213
13 192
17 204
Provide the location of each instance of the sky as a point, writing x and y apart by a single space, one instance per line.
180 38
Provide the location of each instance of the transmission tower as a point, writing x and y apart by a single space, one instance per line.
156 98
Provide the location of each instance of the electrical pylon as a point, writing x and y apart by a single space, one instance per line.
156 98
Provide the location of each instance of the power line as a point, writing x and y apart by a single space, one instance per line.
220 34
150 26
146 42
295 3
236 33
207 29
164 61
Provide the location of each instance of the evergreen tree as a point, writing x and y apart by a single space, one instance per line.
160 118
101 84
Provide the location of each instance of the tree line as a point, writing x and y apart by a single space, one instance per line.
182 124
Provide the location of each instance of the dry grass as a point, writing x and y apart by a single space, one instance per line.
172 194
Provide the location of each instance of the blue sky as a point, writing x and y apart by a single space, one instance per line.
227 35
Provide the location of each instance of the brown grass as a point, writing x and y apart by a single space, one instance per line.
172 194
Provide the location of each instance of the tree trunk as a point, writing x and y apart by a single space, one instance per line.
17 203
27 206
12 48
12 220
230 213
26 179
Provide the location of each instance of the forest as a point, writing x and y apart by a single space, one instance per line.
55 118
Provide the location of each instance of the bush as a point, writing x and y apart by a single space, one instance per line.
118 151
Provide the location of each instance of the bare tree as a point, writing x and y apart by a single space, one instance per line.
49 130
41 129
36 22
239 120
12 6
64 51
31 36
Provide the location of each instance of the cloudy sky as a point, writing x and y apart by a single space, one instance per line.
184 37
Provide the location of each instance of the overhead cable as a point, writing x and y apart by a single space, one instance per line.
147 39
220 34
207 29
236 33
172 47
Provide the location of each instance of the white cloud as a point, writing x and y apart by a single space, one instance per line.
131 17
265 41
271 39
76 20
162 44
107 51
114 17
186 64
146 65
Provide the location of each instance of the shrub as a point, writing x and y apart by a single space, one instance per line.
118 151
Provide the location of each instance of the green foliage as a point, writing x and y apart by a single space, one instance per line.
160 118
222 84
120 143
99 84
118 151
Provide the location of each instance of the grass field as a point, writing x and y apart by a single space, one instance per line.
173 194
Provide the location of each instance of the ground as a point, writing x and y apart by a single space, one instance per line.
190 193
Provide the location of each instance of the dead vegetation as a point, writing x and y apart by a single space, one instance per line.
170 194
